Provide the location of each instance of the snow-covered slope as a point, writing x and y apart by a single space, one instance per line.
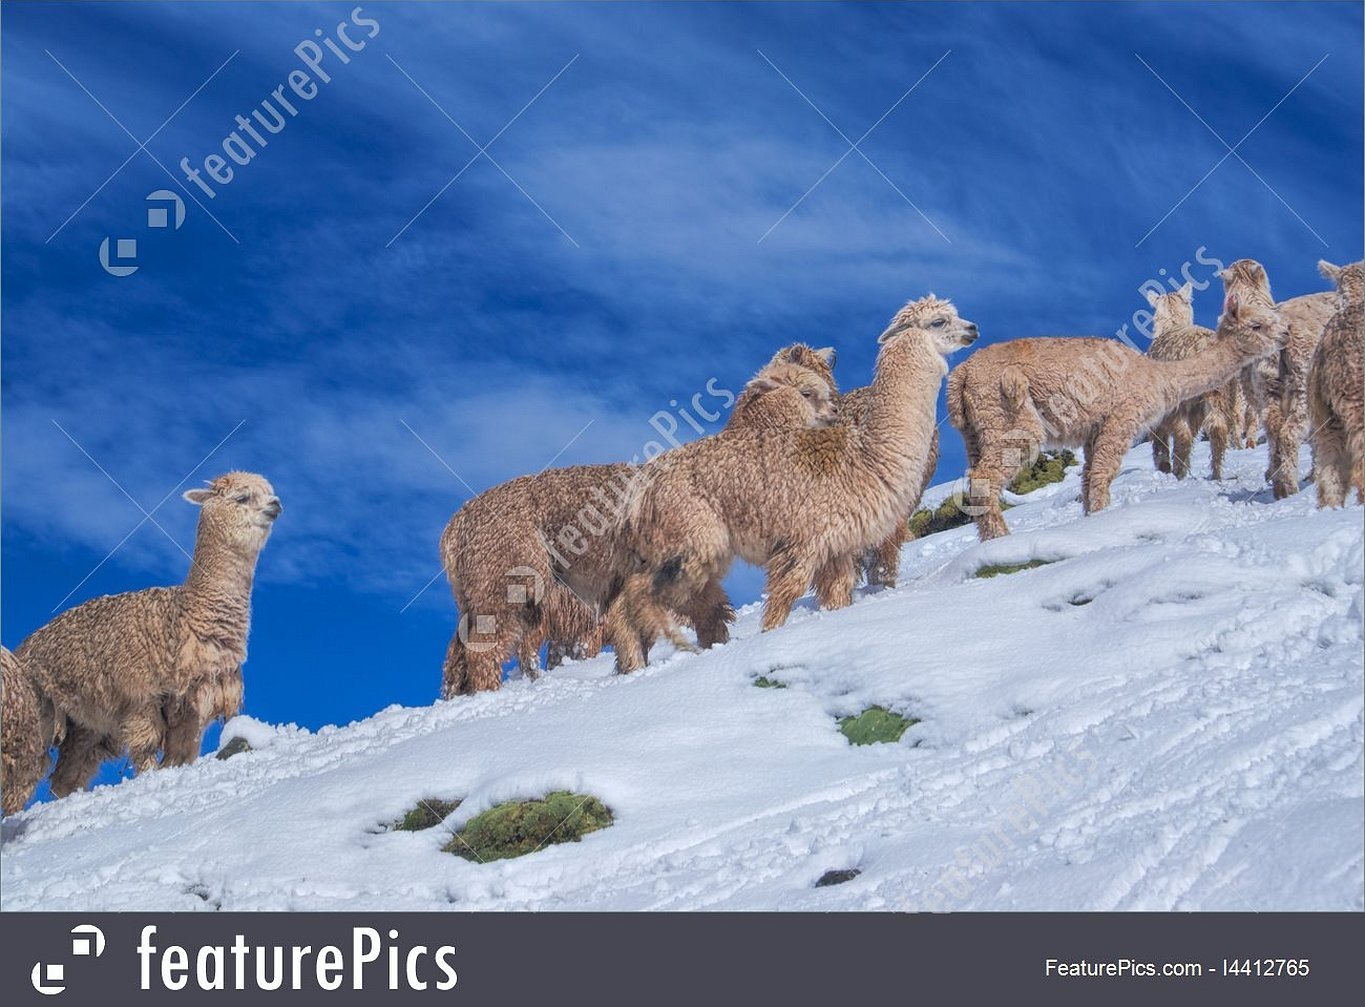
1169 716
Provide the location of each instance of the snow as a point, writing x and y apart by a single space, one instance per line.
1171 715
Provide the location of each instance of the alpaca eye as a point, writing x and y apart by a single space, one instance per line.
807 393
937 323
241 498
1256 326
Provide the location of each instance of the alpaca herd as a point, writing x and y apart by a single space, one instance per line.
812 485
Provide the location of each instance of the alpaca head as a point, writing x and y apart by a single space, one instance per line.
808 391
1349 280
933 320
237 508
1172 310
1246 273
820 361
1252 323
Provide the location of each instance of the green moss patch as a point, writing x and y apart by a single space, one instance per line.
764 682
996 569
945 516
875 725
837 877
428 813
1049 467
517 828
941 518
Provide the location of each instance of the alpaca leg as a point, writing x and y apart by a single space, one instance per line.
528 654
143 731
789 576
1286 478
1274 421
78 759
486 656
619 628
1329 461
1183 438
886 559
710 613
1103 461
984 483
1216 425
184 732
834 581
556 651
1161 451
455 673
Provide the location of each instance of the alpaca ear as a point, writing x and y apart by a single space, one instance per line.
1225 275
828 354
1328 270
1230 306
197 497
894 330
763 384
1187 292
1152 297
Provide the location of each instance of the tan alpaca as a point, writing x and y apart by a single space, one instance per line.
802 503
1283 383
1336 391
148 670
1176 337
27 729
1013 399
520 554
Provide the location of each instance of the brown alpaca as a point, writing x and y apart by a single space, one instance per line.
1336 391
802 503
148 670
518 553
27 727
1013 399
1282 382
1176 337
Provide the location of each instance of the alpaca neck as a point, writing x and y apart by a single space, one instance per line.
902 397
218 589
1211 368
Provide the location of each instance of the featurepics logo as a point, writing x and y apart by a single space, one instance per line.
243 966
274 112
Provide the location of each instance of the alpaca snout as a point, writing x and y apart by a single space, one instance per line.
273 508
972 334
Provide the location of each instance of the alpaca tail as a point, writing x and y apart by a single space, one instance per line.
1014 389
957 410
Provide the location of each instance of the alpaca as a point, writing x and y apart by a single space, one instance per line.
516 554
801 502
1336 391
1282 382
1218 412
1013 399
27 729
148 670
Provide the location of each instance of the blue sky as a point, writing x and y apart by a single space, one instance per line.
630 258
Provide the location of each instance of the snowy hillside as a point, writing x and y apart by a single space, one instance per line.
1166 716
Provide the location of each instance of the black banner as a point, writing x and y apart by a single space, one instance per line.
680 958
